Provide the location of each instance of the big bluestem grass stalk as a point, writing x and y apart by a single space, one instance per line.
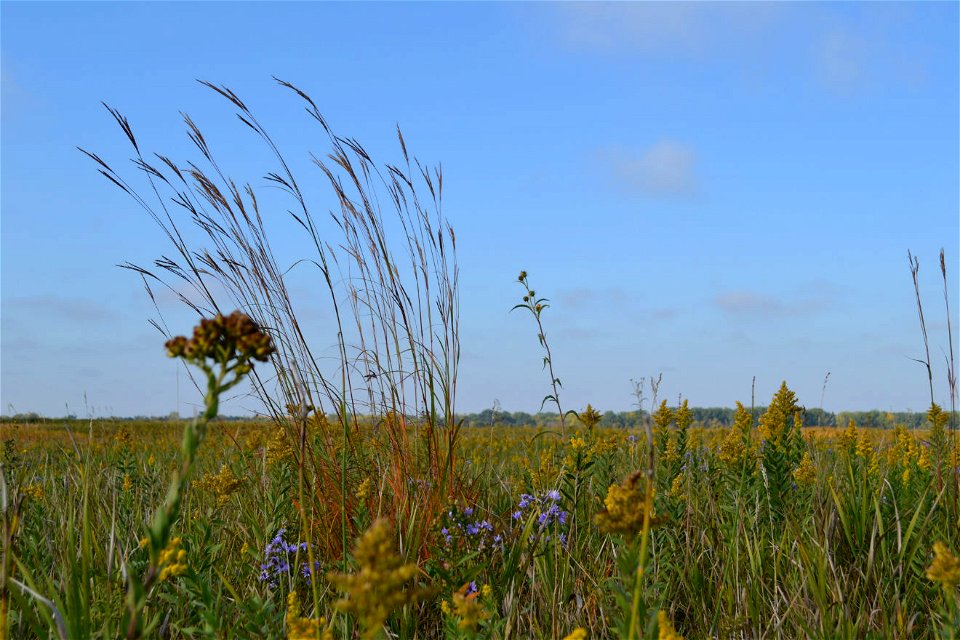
386 257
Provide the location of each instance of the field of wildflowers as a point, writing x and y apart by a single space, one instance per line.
760 530
361 507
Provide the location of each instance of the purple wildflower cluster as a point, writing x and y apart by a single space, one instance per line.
277 556
551 519
468 529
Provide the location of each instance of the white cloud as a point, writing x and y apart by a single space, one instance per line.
666 169
672 28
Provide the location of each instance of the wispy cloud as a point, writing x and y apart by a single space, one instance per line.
744 303
671 28
667 169
60 307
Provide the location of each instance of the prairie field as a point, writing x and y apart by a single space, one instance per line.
758 530
720 208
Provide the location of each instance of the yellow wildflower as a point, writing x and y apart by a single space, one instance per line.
123 438
732 448
945 567
172 560
244 549
382 582
577 634
671 455
923 460
222 484
676 488
806 473
577 444
667 631
590 417
364 489
624 507
300 628
151 460
848 439
35 491
486 590
467 607
278 448
127 482
445 607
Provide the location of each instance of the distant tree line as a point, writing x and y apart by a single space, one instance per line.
709 417
703 417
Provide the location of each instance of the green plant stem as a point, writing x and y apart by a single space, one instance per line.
641 563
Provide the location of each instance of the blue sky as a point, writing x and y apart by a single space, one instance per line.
712 191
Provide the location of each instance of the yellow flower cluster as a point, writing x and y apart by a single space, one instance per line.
382 582
945 568
667 630
577 634
123 438
671 454
733 448
172 560
806 473
676 488
278 448
848 439
624 507
222 484
364 489
35 491
127 482
578 444
468 608
300 628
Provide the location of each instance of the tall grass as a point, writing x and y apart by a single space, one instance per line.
761 530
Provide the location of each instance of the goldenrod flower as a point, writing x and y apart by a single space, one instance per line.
35 491
732 448
467 607
945 567
364 489
624 507
300 628
667 631
923 460
848 439
806 473
382 582
590 417
676 488
123 438
172 560
278 448
222 484
577 634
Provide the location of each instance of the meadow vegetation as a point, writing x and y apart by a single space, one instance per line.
362 507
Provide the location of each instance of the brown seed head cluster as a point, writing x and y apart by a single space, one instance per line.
224 339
